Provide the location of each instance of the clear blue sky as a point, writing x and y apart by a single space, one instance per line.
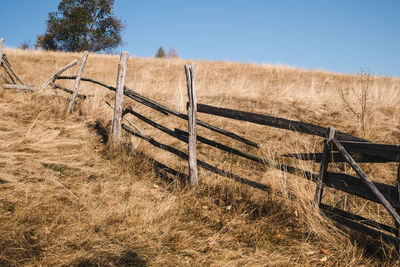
339 35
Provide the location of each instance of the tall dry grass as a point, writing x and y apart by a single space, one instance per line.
68 199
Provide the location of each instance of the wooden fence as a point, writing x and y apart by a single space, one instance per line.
337 147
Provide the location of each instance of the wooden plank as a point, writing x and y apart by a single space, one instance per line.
192 118
77 81
163 109
355 186
20 87
200 163
54 76
337 157
361 227
370 185
301 127
389 152
5 59
116 126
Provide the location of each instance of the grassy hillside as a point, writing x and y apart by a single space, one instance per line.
67 198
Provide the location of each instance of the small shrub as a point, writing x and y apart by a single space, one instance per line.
160 53
24 45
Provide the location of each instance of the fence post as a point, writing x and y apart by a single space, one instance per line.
119 92
398 199
77 81
1 50
192 118
324 165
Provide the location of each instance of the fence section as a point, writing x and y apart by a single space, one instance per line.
338 147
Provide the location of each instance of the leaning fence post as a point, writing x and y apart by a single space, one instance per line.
1 50
324 165
77 81
119 92
370 185
192 118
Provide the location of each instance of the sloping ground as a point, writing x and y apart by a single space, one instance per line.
67 199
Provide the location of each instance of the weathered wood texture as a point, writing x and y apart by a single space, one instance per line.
360 152
337 157
77 81
301 127
116 126
163 109
192 118
389 152
20 87
8 64
367 181
54 76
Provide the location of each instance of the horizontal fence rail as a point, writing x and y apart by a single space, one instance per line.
389 152
337 157
297 126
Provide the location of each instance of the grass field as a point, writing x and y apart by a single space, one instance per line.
68 199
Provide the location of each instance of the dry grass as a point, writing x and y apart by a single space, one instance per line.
68 199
